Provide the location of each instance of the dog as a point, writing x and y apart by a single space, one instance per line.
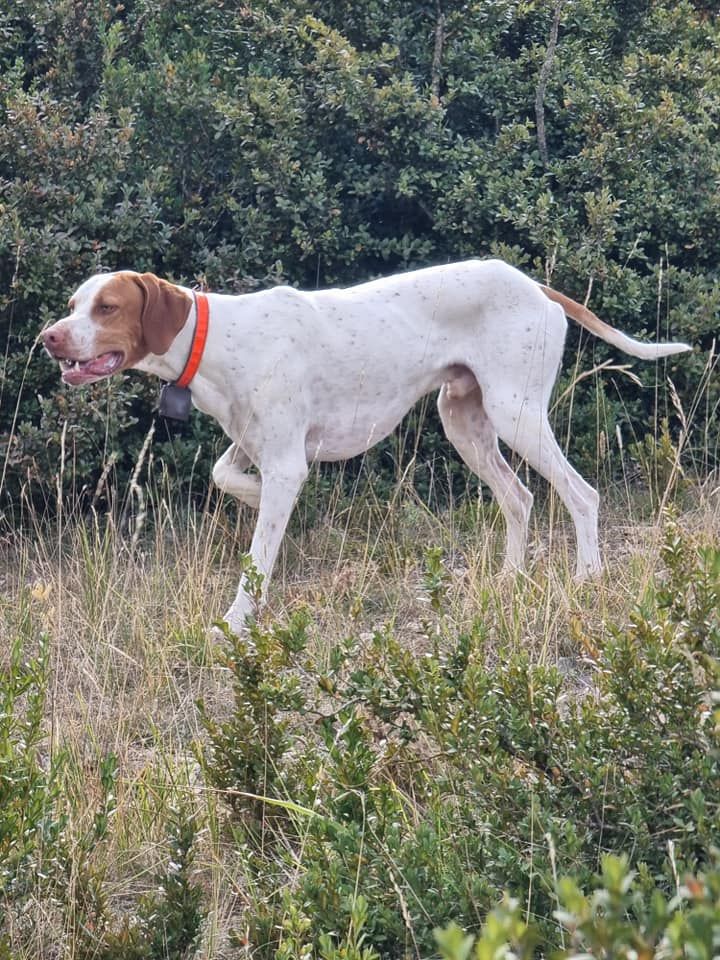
295 377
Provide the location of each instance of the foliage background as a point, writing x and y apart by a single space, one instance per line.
238 145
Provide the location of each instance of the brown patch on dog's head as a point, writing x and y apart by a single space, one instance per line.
165 311
138 314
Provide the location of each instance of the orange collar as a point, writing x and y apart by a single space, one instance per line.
202 313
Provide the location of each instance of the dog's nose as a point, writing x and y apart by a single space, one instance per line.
53 339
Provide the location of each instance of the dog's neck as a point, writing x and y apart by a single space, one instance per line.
208 386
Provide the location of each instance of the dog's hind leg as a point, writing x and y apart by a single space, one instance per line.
468 428
527 430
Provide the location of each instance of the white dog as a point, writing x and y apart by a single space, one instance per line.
295 377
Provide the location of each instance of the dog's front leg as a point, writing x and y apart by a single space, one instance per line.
281 484
230 476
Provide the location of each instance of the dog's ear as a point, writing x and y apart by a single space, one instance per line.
164 312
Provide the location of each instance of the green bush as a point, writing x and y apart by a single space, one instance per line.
619 919
429 782
327 143
32 822
163 925
44 857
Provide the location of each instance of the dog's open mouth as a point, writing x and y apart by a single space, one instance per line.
78 372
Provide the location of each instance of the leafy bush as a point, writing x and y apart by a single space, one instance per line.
619 919
432 780
328 143
45 859
165 925
32 822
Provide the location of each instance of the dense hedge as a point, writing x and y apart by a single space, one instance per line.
321 143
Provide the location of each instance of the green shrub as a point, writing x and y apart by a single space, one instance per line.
618 919
434 780
44 857
320 143
165 925
32 820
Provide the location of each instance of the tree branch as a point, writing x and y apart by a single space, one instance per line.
437 54
543 82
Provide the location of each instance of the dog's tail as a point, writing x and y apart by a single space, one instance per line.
586 318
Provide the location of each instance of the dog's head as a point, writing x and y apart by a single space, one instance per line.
115 321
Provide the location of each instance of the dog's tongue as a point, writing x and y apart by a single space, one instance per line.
88 370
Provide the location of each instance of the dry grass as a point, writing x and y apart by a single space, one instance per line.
127 618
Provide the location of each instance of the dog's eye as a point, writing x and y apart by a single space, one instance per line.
107 308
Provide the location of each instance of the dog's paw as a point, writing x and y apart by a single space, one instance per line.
217 633
510 572
239 617
589 568
222 631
